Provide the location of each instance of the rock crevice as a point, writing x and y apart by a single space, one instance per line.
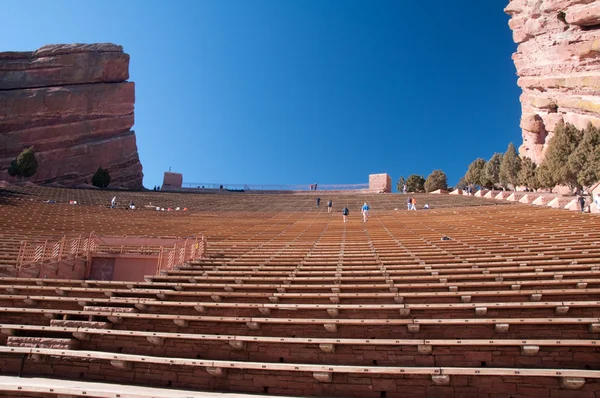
74 105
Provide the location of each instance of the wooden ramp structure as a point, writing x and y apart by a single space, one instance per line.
473 297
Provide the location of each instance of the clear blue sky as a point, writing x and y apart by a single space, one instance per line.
282 91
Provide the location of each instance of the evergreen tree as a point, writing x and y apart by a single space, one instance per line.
475 172
436 180
492 171
545 177
585 160
415 183
400 183
509 167
527 174
25 165
555 168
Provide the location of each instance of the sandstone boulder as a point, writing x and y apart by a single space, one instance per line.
558 64
58 65
72 103
584 15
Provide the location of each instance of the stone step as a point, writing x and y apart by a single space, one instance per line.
42 342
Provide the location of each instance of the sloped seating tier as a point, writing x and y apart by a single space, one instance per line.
319 379
242 218
290 300
11 386
503 352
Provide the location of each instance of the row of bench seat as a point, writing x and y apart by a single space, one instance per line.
290 300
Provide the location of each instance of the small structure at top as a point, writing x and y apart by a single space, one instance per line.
381 183
172 180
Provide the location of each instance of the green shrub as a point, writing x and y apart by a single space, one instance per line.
25 165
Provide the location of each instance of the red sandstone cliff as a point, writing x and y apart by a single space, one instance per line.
72 103
558 64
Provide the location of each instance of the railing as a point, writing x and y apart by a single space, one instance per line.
177 252
180 253
32 254
274 187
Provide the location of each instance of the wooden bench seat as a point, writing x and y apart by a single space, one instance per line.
398 297
10 329
330 325
322 373
415 266
398 352
401 310
303 270
475 274
10 386
198 288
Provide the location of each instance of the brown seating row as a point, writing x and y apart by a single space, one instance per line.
322 373
330 325
12 386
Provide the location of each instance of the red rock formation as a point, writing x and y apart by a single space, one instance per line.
558 64
73 105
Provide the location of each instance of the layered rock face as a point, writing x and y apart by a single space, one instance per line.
558 64
72 103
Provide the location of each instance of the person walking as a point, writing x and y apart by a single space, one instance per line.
318 201
581 200
345 213
413 204
408 203
329 206
365 212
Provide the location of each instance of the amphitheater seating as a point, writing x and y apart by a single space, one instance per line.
11 386
289 300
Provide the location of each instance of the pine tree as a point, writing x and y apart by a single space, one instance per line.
492 171
436 180
527 174
555 168
585 160
545 177
509 167
415 183
475 172
400 183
